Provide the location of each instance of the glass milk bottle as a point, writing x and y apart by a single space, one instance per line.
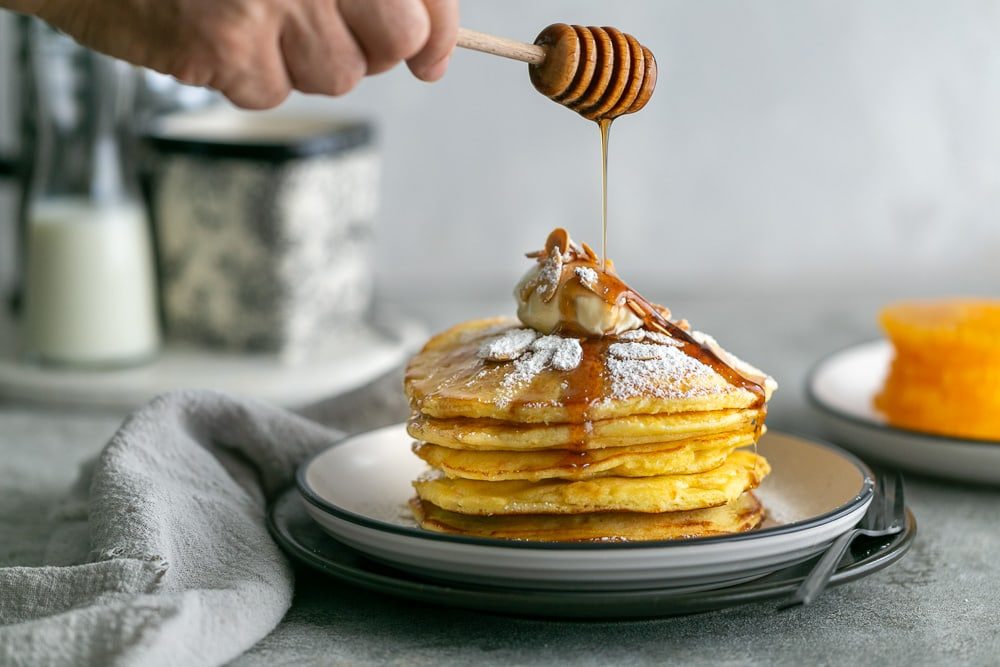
90 290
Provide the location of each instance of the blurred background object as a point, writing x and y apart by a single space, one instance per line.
264 226
68 124
89 296
259 261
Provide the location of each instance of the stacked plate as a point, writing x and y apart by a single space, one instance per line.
357 492
842 387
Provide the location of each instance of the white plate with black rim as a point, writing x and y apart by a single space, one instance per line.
842 387
358 489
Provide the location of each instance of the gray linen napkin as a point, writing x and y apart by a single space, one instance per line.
180 568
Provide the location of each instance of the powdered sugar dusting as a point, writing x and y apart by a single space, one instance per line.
672 375
562 354
509 345
587 276
567 355
637 351
546 343
525 368
704 339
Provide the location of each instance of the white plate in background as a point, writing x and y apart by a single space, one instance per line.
358 491
357 358
843 386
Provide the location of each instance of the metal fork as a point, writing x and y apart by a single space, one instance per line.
885 516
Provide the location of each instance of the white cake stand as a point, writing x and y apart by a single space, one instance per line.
353 360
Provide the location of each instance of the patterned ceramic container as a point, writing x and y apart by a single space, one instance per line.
263 227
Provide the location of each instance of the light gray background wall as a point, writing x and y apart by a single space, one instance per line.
788 143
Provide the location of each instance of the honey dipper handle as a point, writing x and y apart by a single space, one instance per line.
500 46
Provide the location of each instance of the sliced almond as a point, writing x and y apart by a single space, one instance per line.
559 238
633 336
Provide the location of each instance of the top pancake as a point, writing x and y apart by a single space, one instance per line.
447 379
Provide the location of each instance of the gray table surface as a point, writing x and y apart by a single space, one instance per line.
939 605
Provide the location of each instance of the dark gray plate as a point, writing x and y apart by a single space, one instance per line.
305 541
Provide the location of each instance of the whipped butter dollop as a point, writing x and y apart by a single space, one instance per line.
568 291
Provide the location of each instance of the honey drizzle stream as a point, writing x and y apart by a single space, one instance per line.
605 125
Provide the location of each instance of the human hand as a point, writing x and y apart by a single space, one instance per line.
257 51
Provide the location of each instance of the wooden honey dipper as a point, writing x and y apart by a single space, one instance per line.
601 73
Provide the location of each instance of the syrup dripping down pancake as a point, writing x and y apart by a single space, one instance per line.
743 514
448 379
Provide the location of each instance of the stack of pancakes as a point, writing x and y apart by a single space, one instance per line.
554 438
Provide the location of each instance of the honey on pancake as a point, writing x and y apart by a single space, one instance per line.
585 382
583 386
447 379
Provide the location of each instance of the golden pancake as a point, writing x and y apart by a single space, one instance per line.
672 458
485 434
742 471
614 379
743 514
